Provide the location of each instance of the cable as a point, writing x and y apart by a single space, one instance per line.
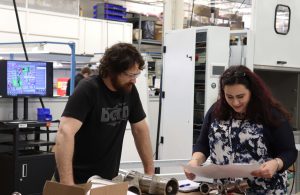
293 183
25 117
20 30
159 119
239 7
192 13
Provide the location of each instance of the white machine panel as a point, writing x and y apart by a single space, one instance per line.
217 61
193 62
178 84
271 47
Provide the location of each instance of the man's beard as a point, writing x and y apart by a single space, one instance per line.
125 88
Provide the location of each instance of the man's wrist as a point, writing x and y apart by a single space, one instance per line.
150 169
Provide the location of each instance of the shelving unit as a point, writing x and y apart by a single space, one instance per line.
199 84
110 12
137 20
151 47
24 165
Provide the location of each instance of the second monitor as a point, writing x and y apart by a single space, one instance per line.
26 78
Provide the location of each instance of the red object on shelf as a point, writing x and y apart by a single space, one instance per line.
62 86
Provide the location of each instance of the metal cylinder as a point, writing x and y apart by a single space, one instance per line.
16 193
165 186
151 184
156 185
145 183
205 188
134 189
132 179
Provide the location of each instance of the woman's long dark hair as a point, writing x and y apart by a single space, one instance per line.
262 104
119 58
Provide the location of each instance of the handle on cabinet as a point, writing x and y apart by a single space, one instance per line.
191 58
24 170
281 62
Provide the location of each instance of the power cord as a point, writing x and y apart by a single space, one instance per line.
293 183
192 13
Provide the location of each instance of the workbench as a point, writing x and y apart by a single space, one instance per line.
190 193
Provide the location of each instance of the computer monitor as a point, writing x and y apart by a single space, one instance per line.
26 78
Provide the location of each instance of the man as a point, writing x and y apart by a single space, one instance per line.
91 131
84 73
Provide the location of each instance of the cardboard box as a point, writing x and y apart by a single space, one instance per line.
158 32
236 25
234 17
136 34
202 10
55 188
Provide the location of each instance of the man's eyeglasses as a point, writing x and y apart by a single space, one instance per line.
132 75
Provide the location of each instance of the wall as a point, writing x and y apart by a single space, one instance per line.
87 7
90 35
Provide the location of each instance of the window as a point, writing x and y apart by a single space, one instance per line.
282 19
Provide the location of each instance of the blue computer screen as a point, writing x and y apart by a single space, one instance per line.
26 78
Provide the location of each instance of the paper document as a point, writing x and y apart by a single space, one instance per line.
99 182
223 171
188 185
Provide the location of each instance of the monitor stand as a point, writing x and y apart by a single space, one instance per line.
15 108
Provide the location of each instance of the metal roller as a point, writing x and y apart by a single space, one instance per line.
239 186
134 189
133 184
150 184
205 188
164 186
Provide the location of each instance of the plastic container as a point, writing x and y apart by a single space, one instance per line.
43 114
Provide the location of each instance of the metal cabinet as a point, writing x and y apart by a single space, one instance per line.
24 166
193 60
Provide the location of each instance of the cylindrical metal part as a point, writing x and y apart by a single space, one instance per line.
16 193
135 189
151 184
239 186
205 188
164 186
167 187
145 183
132 175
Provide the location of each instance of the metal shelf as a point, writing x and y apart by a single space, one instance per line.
47 56
148 42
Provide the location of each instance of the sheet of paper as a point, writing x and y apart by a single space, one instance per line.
157 83
130 193
188 185
223 171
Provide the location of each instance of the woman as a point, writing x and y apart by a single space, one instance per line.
247 125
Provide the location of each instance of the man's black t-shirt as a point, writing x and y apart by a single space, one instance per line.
104 113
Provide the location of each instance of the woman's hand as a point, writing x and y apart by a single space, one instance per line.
193 163
268 169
